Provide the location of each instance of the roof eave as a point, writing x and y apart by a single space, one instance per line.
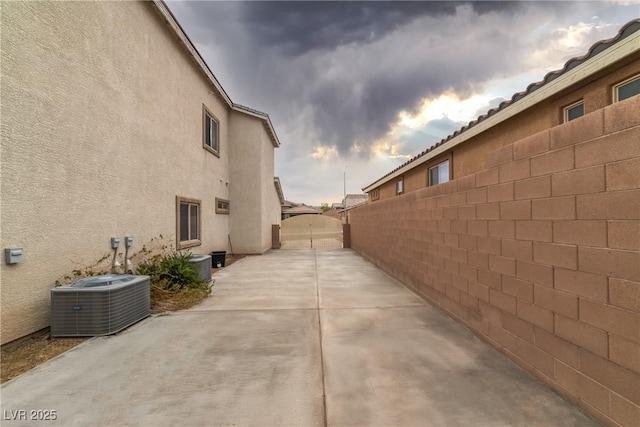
276 181
266 121
186 41
191 49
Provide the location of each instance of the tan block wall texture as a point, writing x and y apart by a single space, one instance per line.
538 254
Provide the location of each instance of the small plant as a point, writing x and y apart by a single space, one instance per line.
173 270
175 283
98 268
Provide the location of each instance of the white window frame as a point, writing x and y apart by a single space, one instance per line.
213 134
616 87
400 187
436 167
190 241
569 107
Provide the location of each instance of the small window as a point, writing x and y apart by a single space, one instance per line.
210 140
188 222
222 206
574 111
375 194
626 89
399 187
439 174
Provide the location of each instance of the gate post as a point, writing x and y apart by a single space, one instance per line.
346 236
275 236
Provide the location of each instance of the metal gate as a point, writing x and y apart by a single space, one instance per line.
311 232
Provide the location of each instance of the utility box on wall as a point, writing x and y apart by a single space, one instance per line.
13 255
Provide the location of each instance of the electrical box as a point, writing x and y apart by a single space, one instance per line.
128 241
13 255
115 242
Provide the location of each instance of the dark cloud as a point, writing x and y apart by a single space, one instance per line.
299 27
338 73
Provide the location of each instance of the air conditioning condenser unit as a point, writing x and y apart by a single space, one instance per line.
99 305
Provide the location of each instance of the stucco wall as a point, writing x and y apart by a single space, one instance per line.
255 205
101 130
539 255
271 211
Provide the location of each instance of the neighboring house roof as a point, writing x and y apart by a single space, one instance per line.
191 49
276 181
627 41
299 210
354 199
337 206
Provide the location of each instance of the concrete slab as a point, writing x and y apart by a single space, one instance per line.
415 367
193 368
282 280
265 350
351 282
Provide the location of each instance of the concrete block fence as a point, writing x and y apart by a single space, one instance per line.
539 255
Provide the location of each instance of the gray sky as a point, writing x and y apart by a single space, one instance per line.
364 86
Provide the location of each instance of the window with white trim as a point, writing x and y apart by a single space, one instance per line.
626 89
187 222
573 111
399 187
439 174
211 134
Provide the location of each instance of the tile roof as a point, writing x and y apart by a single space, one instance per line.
626 30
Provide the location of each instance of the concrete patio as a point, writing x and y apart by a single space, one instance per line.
300 337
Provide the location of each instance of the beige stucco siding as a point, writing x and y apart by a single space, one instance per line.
254 200
271 212
101 130
244 187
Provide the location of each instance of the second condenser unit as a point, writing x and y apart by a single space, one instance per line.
202 263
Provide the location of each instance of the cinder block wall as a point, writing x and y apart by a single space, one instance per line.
539 254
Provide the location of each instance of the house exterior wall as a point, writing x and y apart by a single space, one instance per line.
469 157
255 205
538 254
271 212
102 127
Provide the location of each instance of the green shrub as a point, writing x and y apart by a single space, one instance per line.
172 271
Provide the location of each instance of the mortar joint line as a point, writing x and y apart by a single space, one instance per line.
324 388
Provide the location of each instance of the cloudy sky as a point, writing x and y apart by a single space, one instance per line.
363 86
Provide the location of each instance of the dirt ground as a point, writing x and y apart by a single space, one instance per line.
23 355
